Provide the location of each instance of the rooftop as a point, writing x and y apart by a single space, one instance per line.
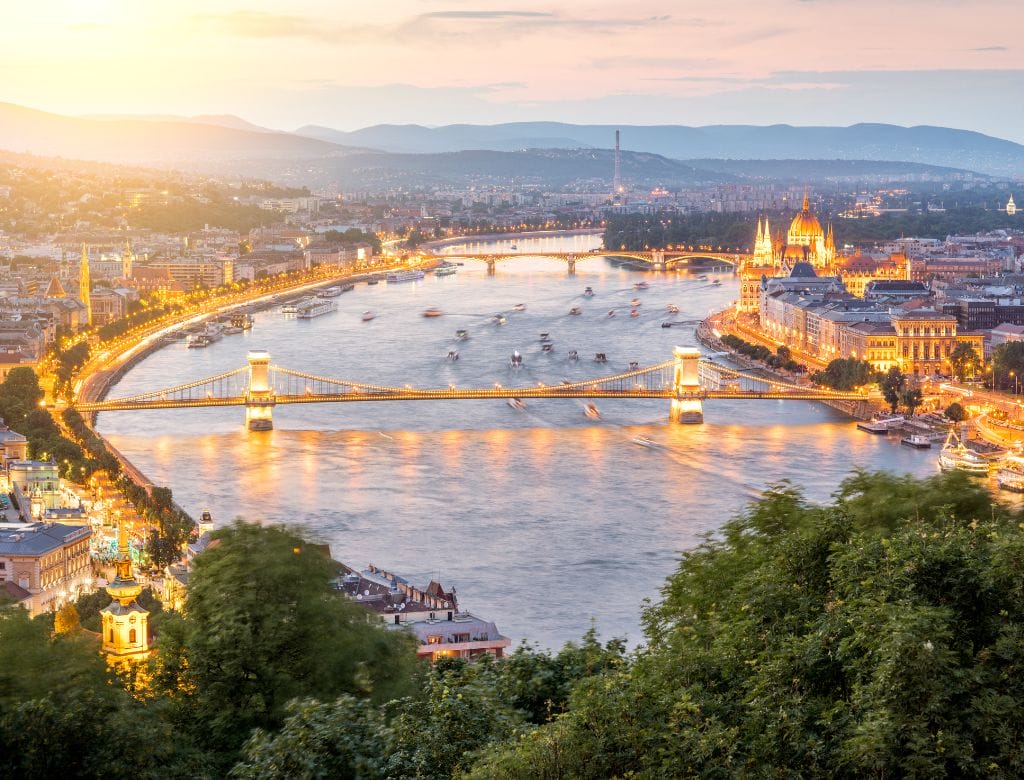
39 538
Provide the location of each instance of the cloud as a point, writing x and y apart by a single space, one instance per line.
486 15
258 24
990 48
508 24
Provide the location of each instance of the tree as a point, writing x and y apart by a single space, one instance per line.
845 374
878 636
343 739
956 412
911 399
66 620
261 626
1007 358
964 361
892 385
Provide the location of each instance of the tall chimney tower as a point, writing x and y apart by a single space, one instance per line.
617 175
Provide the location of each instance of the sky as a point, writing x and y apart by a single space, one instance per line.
348 64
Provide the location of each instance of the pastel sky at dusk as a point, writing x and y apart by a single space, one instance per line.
349 64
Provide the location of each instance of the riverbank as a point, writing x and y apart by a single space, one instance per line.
709 333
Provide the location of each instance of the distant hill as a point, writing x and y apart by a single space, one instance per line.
550 167
806 171
136 141
923 144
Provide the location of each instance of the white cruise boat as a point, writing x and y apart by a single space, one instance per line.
405 276
957 456
314 308
445 270
1010 474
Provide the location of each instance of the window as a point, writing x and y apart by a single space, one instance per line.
433 639
131 636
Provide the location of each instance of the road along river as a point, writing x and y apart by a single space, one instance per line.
543 519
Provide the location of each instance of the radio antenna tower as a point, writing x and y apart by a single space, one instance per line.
617 174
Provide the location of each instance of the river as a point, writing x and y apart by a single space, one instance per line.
544 520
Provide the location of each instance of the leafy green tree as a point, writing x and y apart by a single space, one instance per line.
66 620
956 412
345 739
1007 358
911 399
261 626
892 385
878 636
845 374
964 361
433 736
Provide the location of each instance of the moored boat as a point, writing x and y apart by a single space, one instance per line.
405 276
445 270
957 456
1010 474
917 440
315 307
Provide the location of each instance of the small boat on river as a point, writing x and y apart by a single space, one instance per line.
591 411
519 307
461 334
575 310
432 312
516 403
516 361
1010 475
672 308
957 456
641 286
917 440
368 315
588 293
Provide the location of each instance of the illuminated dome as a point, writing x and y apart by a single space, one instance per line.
805 228
806 224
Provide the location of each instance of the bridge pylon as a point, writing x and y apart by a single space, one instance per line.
571 262
658 260
490 265
259 398
687 406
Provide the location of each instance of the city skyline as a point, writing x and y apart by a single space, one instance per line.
281 65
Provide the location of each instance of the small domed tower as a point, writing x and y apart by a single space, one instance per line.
125 623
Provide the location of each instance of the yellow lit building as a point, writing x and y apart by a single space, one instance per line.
125 623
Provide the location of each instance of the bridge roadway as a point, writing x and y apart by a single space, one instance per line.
656 258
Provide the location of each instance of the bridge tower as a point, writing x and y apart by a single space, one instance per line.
571 260
259 398
658 260
686 390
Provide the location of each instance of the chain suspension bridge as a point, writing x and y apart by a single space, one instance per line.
686 381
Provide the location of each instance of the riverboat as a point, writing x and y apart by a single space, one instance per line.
575 310
573 355
242 319
315 308
516 403
292 307
445 270
519 307
600 357
461 334
640 286
545 337
591 411
634 313
453 354
516 361
672 308
373 280
588 293
716 282
499 319
368 315
1010 475
514 248
432 312
547 346
635 302
957 456
197 341
917 440
645 441
702 278
611 312
882 426
330 292
405 276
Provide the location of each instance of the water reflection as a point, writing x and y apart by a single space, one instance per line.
541 518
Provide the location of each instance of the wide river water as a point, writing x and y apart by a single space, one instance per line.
544 520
